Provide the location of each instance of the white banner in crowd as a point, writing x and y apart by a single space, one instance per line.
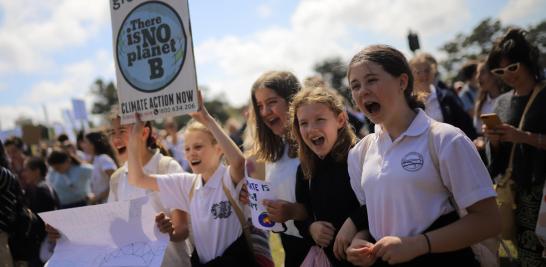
258 191
153 51
121 233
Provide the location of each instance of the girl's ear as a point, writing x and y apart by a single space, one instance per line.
145 133
341 119
404 78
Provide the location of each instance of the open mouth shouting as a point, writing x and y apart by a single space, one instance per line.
121 150
318 140
195 162
372 107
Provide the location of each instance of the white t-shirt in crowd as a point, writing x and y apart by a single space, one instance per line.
432 105
100 181
488 107
177 149
282 176
214 223
176 252
399 184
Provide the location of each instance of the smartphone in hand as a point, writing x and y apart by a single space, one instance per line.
492 120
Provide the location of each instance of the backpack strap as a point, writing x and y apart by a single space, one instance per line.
366 144
240 215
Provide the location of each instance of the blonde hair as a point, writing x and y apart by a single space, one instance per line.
346 137
195 126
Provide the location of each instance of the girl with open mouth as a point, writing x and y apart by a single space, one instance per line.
406 172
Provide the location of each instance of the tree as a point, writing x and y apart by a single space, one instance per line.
478 43
106 96
333 71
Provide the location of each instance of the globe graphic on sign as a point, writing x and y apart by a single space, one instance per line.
151 46
264 220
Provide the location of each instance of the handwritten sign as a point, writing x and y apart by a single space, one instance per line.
258 191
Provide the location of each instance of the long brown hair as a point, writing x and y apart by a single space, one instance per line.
266 145
346 137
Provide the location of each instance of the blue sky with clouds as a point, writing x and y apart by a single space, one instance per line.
52 51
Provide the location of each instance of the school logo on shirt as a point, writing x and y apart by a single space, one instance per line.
221 210
412 162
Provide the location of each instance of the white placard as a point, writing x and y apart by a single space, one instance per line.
257 192
153 51
119 233
80 112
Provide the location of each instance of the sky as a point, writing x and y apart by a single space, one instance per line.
52 51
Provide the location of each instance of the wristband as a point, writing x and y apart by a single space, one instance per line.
428 243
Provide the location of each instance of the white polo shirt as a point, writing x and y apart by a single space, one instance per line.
282 176
399 183
126 191
214 223
100 181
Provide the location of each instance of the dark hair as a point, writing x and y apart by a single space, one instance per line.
59 156
37 163
101 145
514 47
468 71
393 62
268 146
15 141
62 137
3 157
345 139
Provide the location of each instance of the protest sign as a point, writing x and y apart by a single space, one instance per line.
80 112
155 66
121 233
258 191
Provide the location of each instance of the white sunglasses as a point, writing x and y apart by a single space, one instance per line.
510 68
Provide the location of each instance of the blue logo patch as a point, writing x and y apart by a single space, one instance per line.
412 162
151 46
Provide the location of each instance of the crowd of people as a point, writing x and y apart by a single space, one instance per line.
416 187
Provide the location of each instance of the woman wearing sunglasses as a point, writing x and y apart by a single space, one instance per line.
515 61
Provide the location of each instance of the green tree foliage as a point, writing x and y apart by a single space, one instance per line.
478 43
105 95
334 71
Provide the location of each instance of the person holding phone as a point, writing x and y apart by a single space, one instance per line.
515 61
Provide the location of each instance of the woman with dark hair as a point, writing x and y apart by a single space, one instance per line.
515 61
69 178
406 172
98 147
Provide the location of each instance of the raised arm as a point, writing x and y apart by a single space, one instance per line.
136 174
232 153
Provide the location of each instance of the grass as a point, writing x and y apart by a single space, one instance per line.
276 249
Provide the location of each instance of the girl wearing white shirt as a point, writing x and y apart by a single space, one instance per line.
268 124
174 222
97 146
411 219
217 232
